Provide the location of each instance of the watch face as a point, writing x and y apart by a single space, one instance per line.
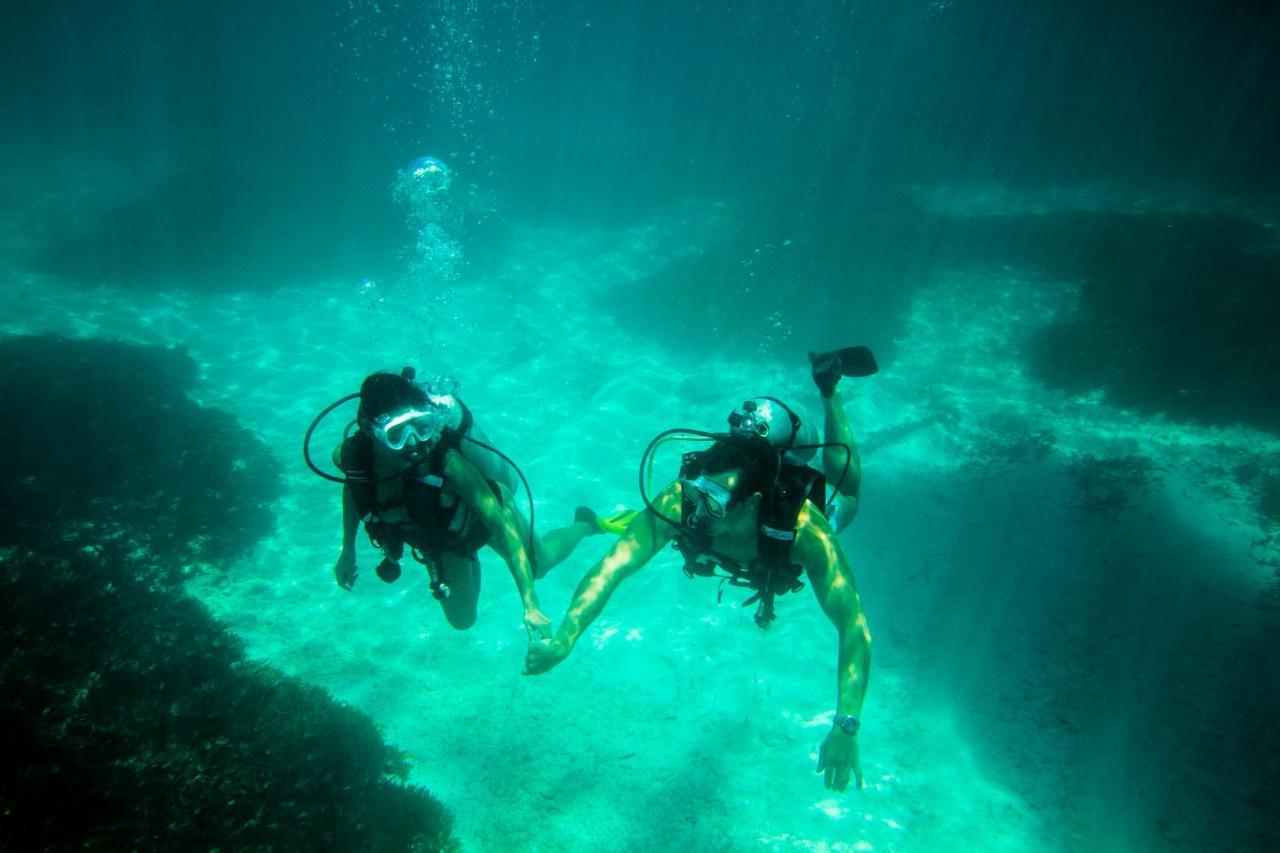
848 725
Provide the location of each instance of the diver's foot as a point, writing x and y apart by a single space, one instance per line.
828 367
826 371
615 524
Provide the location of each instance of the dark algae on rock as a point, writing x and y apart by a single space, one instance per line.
129 718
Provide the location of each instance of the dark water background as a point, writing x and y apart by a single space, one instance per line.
254 144
263 129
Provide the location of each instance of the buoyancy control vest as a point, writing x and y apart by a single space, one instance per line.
771 572
431 525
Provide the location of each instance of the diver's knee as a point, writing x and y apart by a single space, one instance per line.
461 614
543 561
461 619
843 510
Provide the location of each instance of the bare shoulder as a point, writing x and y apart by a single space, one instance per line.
654 526
666 503
669 498
816 546
462 475
458 465
813 531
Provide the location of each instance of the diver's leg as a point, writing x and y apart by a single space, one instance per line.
462 574
555 545
559 543
836 430
843 468
550 549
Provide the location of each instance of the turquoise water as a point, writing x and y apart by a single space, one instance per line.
1067 543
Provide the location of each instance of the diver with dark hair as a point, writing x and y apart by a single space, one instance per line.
750 508
422 478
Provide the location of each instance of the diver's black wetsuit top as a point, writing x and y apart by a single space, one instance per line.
771 572
430 528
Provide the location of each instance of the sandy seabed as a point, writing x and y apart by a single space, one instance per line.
676 725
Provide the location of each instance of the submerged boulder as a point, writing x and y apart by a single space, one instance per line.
129 717
104 444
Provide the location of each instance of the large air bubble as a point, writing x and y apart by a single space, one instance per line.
430 175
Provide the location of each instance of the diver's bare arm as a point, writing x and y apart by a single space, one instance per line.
645 536
344 570
475 492
832 579
350 520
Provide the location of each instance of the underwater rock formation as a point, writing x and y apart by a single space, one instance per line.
103 445
1177 315
129 718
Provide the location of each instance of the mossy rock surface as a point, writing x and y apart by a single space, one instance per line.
129 717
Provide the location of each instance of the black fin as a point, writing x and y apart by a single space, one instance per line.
857 361
828 367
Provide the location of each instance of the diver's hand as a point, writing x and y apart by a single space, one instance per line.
537 624
837 758
543 655
344 571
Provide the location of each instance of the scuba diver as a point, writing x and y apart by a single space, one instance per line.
418 472
750 507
